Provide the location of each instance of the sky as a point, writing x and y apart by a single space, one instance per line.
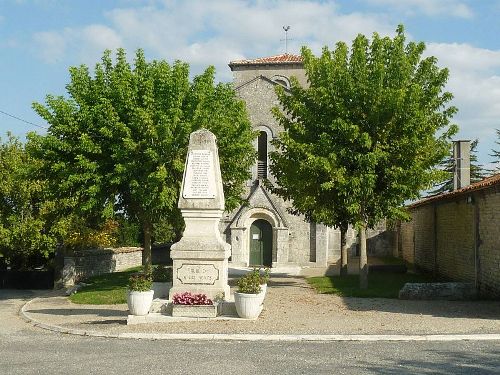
41 39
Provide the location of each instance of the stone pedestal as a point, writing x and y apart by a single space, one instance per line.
200 258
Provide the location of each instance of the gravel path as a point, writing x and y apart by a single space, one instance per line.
293 307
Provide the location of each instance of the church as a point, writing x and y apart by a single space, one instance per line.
263 232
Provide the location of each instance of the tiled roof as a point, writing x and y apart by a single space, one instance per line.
285 58
483 184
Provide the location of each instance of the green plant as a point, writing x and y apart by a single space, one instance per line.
117 141
262 275
249 283
364 136
140 282
162 274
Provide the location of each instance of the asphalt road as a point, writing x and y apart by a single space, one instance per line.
28 350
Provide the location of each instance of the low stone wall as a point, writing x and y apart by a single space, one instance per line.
87 263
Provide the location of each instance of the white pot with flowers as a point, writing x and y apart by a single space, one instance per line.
248 300
140 294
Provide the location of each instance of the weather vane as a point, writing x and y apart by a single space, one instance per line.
286 28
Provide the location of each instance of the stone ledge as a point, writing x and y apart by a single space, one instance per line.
438 291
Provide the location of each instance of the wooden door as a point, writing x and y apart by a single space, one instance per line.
261 243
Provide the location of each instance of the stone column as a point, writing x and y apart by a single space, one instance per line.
321 245
200 258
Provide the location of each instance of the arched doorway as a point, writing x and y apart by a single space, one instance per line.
261 243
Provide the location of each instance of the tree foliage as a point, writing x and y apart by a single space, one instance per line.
477 172
496 153
366 133
118 142
27 233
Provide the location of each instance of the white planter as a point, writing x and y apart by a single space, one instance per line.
161 289
139 303
262 294
248 306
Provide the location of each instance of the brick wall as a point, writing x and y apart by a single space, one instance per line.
488 206
456 237
455 240
406 236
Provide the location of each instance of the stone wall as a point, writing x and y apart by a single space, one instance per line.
379 242
457 238
87 263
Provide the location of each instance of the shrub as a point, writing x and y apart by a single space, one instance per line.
140 282
162 274
262 275
82 237
249 283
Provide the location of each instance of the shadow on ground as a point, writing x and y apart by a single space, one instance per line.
442 362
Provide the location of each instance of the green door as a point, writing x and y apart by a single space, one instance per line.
261 243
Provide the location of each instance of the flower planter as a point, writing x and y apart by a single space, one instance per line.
262 294
161 289
195 311
248 306
139 303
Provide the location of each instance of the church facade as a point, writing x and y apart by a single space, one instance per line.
263 232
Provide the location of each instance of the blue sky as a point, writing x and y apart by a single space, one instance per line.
40 39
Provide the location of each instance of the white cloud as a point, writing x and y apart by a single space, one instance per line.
216 32
87 43
475 83
51 45
453 8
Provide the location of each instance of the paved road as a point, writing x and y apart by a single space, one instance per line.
28 350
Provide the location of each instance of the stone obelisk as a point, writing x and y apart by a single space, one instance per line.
200 257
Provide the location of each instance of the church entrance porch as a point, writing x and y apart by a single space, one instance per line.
258 238
261 243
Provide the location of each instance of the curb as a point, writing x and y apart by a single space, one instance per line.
254 337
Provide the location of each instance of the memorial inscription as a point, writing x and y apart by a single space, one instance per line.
200 175
198 274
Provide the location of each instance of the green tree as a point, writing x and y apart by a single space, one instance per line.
118 143
363 137
27 237
477 172
496 153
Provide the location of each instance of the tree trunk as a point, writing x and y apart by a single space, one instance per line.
363 259
343 251
146 253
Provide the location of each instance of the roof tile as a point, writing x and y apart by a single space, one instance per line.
285 58
483 184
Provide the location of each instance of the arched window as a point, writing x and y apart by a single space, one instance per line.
262 155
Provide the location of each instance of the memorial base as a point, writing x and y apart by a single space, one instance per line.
201 276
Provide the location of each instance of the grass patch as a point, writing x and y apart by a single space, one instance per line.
380 285
106 289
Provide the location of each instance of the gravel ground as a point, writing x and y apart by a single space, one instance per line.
293 307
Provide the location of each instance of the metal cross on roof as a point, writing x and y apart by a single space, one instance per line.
286 28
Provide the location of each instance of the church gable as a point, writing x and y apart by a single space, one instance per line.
260 198
260 97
